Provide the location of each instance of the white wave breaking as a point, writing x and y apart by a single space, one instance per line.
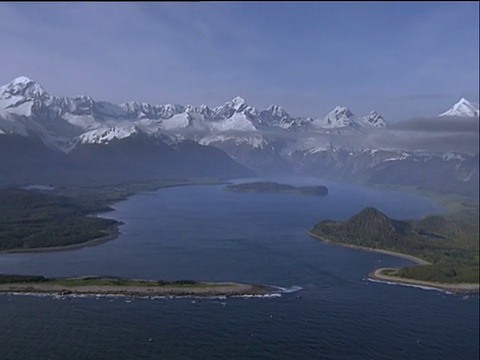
292 289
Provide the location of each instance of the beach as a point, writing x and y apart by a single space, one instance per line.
456 288
416 260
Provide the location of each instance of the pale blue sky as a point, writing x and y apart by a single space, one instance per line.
403 59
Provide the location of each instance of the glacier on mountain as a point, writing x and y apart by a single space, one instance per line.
105 135
254 140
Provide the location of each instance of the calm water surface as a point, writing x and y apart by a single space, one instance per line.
206 233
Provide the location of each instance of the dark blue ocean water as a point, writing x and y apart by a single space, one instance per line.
206 233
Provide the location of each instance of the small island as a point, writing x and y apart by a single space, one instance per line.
444 250
274 187
116 286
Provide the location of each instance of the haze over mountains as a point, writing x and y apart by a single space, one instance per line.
40 131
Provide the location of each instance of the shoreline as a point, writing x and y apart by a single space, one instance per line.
114 232
468 288
412 258
377 273
199 290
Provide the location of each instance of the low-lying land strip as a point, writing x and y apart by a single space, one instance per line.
101 285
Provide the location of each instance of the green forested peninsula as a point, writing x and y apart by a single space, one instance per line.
30 219
64 216
448 243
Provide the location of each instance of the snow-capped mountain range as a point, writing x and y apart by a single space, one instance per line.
337 144
26 108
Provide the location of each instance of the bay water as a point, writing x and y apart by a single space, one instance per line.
325 307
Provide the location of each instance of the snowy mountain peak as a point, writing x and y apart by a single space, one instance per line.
202 110
462 108
22 87
375 119
84 98
277 111
21 80
341 116
342 110
238 103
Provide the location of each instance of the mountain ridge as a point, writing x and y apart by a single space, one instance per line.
340 145
86 114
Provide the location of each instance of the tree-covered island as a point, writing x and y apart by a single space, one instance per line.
274 187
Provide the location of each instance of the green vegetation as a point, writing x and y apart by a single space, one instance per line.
107 285
443 273
31 220
94 280
21 279
91 280
450 242
101 194
63 217
116 281
273 187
